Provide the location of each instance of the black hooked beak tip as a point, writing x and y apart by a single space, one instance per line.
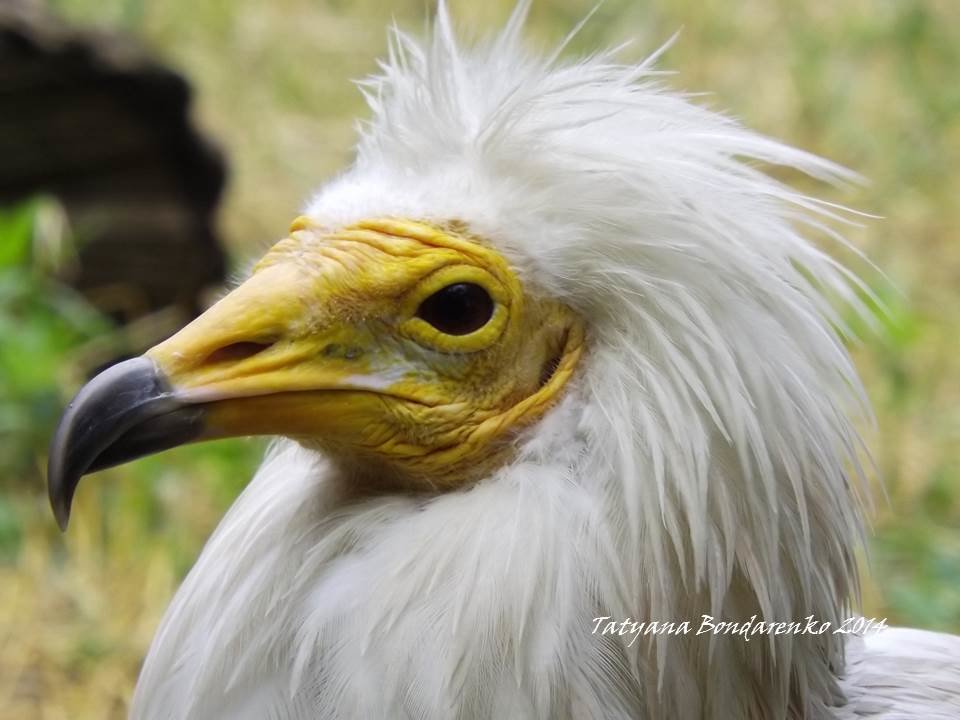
127 411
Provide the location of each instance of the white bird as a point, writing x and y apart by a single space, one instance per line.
554 353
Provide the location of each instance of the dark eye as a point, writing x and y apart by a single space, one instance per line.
458 309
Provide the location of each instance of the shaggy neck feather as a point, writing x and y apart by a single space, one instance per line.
483 601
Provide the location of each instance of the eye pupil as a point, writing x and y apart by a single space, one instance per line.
457 309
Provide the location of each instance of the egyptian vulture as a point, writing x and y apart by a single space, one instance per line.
554 361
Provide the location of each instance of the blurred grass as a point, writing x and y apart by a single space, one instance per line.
869 83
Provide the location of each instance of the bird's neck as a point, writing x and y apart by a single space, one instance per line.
486 598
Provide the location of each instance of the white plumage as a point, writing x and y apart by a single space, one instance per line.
705 459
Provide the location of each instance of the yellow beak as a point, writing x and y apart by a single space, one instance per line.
247 362
329 343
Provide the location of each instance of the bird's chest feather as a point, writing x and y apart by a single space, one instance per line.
474 605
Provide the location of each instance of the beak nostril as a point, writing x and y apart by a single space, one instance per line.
234 352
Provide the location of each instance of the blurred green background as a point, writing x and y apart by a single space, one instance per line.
872 84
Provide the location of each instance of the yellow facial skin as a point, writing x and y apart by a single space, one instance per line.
323 344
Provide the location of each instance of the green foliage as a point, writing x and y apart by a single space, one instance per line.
918 564
41 321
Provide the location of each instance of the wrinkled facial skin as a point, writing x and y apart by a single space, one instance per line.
331 342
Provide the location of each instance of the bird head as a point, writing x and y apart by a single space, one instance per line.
562 277
409 350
